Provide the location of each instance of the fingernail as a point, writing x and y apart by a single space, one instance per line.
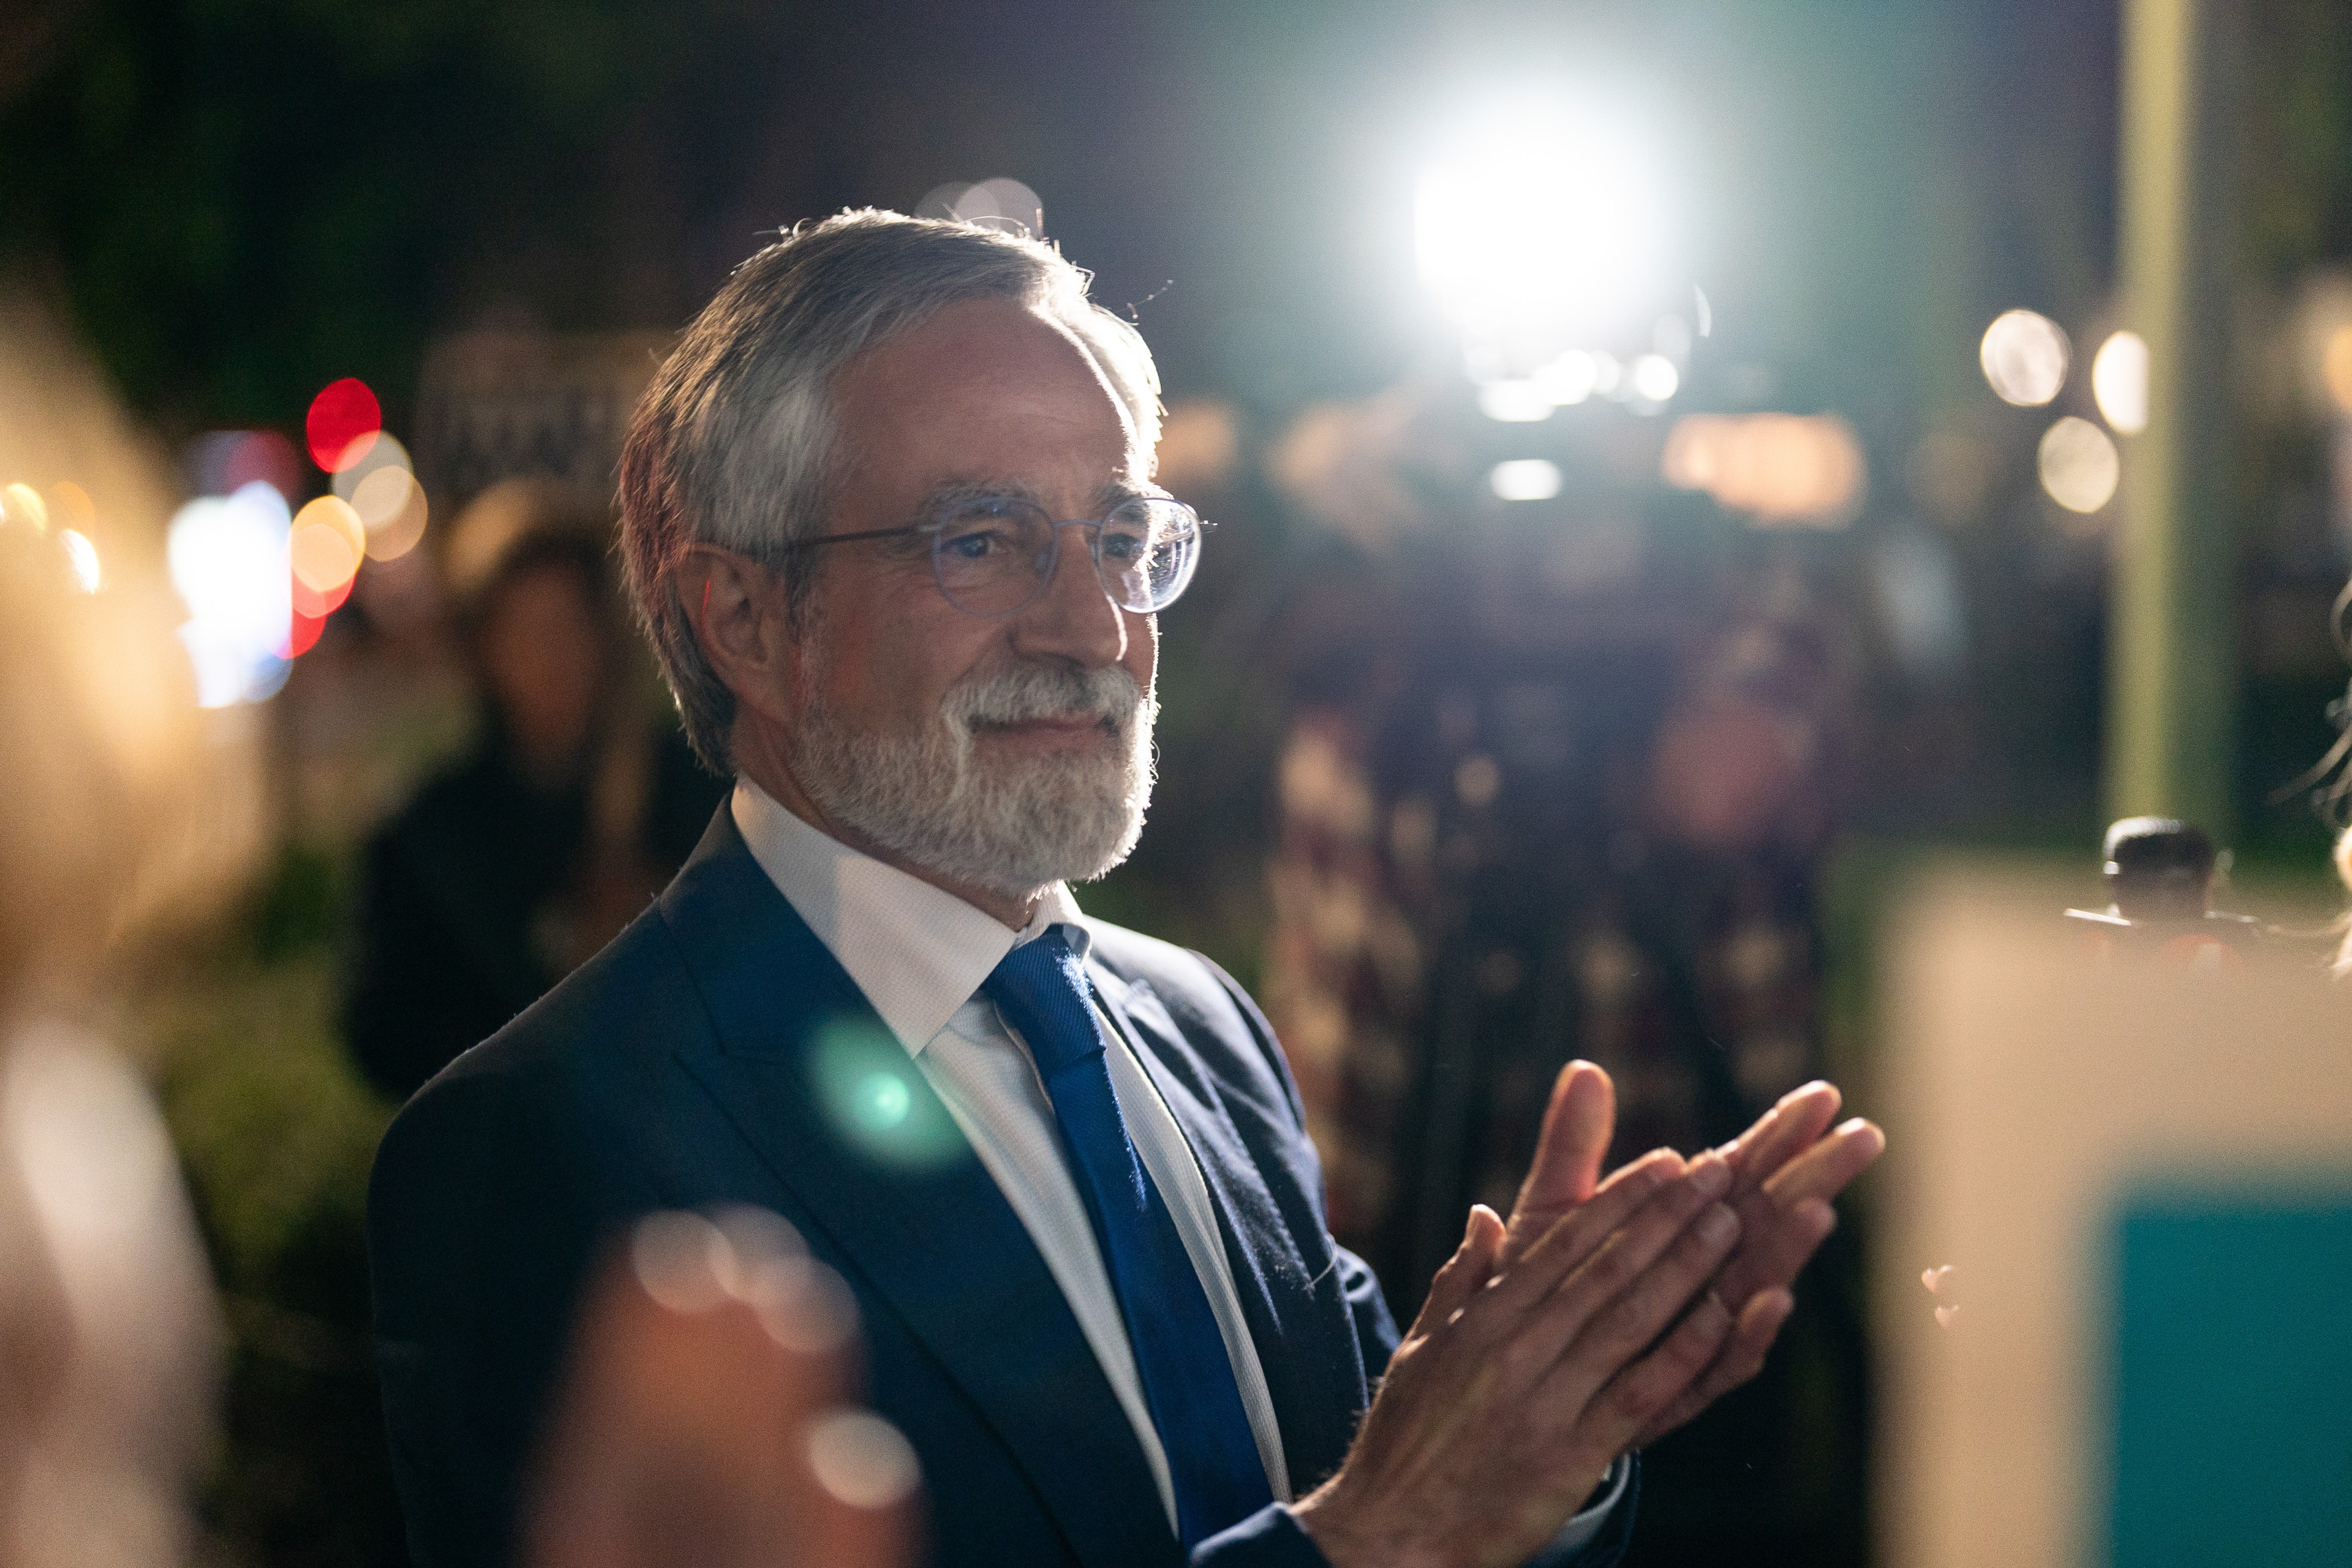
1802 1090
1717 1225
1710 1174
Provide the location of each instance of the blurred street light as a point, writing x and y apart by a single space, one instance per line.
2024 356
2119 381
2079 465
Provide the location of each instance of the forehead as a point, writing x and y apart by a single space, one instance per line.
983 389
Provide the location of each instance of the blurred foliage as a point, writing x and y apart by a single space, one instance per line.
277 1134
247 198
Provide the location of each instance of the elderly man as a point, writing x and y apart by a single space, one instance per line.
889 521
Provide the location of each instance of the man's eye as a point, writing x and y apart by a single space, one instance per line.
1125 545
968 543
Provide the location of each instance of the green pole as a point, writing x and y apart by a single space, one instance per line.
2172 665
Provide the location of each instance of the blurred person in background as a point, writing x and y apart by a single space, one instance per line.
124 817
1061 1166
575 805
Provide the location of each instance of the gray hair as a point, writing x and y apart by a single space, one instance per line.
733 444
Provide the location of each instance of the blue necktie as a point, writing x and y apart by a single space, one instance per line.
1188 1382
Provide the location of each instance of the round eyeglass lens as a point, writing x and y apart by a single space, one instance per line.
1147 552
994 554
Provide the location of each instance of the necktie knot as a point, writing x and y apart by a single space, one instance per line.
1041 988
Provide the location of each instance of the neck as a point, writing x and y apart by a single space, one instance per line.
764 764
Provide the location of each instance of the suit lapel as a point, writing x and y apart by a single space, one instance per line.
1305 1340
835 1108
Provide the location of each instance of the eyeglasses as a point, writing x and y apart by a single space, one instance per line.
994 554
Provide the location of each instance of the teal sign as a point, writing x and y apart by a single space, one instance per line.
2232 1393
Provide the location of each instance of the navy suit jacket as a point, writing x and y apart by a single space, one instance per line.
716 1054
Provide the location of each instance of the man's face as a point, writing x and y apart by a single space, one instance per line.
1005 752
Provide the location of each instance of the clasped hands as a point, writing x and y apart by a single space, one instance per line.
1600 1315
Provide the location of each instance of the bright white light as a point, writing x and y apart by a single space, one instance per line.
1525 478
1568 379
84 556
229 560
2079 464
1607 373
1539 217
1655 379
2119 381
2024 357
1515 402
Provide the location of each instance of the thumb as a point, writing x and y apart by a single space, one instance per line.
1577 1128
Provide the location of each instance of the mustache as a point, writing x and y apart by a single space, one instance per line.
1019 693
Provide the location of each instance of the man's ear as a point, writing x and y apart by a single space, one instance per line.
738 610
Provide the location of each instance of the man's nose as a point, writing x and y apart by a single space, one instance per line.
1075 618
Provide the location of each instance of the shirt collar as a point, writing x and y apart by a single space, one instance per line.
918 952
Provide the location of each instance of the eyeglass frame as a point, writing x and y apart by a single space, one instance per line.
939 532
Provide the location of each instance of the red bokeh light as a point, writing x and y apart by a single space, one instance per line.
343 422
316 605
303 635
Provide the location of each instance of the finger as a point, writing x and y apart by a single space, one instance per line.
1775 1245
1579 1123
1823 1170
1620 1324
1631 1400
1783 1133
1458 1282
1740 1357
1540 1263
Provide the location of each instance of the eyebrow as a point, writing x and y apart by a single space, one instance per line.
1108 495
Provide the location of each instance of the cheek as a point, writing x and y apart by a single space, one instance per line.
893 655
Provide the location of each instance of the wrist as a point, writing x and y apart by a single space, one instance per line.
1350 1536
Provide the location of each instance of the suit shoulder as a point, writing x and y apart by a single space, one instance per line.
636 991
1201 999
1178 975
573 1049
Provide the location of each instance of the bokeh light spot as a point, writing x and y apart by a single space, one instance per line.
21 506
383 491
2119 381
2080 466
862 1459
329 544
2335 366
1655 379
874 1103
883 1100
1779 468
343 421
83 554
1525 478
1515 402
2024 357
70 507
228 562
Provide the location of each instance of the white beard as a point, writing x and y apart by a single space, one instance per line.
1068 816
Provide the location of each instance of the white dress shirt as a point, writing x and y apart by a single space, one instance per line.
921 955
